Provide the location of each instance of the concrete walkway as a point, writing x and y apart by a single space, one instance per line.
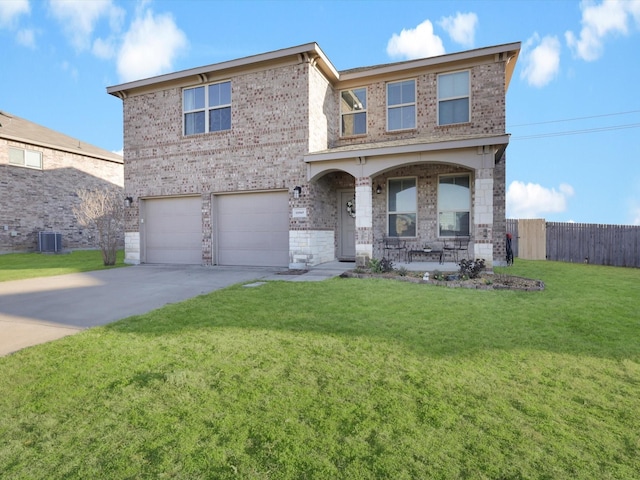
39 310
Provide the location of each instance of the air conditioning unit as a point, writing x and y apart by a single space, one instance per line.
49 242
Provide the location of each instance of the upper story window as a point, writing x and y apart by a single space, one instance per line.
207 108
25 158
453 98
401 105
353 112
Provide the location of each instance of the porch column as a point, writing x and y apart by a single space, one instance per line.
364 221
483 216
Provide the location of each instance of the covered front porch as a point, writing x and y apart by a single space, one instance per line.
370 184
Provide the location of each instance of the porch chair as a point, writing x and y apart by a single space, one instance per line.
458 244
395 244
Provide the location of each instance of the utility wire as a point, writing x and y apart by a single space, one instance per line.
577 132
574 119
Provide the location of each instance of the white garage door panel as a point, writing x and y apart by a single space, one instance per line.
173 232
253 229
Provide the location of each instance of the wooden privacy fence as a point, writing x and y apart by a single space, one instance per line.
616 245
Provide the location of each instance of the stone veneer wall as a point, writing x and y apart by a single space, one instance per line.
36 200
427 187
263 150
487 107
310 247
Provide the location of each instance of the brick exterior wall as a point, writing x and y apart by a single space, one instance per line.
35 200
287 110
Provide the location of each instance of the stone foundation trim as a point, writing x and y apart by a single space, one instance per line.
132 248
308 248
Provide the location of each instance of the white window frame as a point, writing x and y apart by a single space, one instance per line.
362 109
206 109
454 212
402 212
455 97
403 105
27 158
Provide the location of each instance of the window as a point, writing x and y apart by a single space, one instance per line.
207 108
353 111
402 207
454 205
453 98
401 105
25 158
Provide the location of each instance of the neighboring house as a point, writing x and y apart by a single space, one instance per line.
40 172
279 159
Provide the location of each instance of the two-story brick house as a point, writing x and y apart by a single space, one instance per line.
279 159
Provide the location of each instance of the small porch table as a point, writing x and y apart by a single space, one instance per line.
438 252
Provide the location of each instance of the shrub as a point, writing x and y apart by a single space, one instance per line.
438 275
380 266
386 265
402 271
471 268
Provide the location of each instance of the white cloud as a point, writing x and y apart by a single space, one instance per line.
10 10
542 62
118 152
415 43
150 46
598 21
532 200
104 48
79 18
26 37
461 28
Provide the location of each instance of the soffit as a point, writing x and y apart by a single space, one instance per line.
420 143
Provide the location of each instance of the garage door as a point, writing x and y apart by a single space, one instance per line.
253 229
173 230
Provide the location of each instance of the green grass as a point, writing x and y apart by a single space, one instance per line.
17 266
347 378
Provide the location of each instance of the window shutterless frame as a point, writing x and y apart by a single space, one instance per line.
206 108
454 205
22 157
454 97
401 105
353 112
402 207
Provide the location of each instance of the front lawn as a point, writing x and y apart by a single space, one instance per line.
342 379
17 266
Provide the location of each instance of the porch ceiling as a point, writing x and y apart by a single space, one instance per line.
370 159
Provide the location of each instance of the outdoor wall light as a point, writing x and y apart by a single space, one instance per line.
128 201
296 192
378 189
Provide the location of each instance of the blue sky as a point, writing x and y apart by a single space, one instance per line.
573 106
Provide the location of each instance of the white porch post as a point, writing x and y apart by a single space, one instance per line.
364 221
483 216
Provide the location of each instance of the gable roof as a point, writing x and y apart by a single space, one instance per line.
20 130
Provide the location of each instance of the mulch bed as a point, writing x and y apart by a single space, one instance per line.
484 282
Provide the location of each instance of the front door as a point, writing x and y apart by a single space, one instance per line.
347 226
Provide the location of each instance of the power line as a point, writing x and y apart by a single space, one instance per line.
577 132
574 119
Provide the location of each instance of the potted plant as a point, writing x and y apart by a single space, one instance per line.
427 248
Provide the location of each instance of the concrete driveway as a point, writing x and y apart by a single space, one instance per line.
38 310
